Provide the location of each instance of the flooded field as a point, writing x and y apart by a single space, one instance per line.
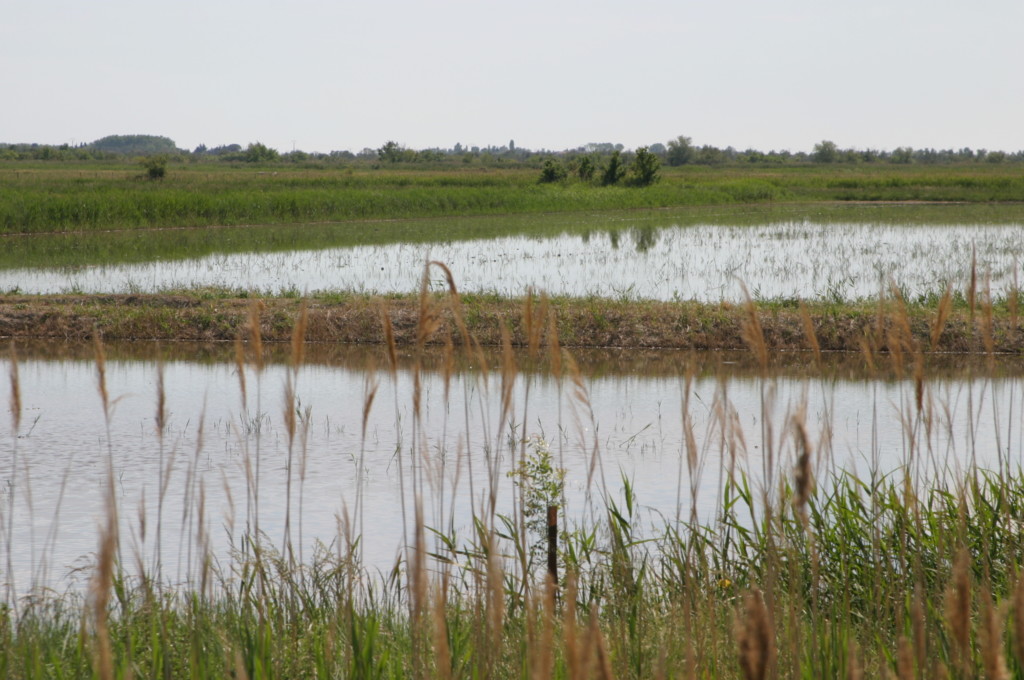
227 465
662 256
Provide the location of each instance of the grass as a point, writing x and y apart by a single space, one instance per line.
949 322
71 197
800 571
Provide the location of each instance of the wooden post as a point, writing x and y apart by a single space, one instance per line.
553 543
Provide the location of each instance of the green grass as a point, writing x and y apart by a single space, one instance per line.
73 197
846 584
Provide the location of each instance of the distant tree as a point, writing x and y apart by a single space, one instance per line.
614 170
902 155
135 145
390 152
585 168
512 145
996 157
680 151
226 149
552 171
429 155
825 152
644 169
658 149
710 155
259 153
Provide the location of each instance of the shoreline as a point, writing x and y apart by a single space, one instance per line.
885 327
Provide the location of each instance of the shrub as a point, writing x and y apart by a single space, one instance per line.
614 171
553 171
156 167
645 168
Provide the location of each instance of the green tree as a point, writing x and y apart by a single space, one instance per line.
825 152
135 145
614 171
553 171
585 168
392 152
680 151
644 169
541 484
259 153
902 155
711 155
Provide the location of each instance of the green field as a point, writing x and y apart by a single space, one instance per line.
53 197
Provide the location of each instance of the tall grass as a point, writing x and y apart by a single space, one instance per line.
75 198
802 570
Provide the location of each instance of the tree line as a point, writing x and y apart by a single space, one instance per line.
676 152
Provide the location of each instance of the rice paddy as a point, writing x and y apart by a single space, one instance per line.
649 257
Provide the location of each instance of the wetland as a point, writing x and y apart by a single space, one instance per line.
346 476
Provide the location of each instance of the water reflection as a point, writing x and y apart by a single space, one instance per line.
219 448
666 259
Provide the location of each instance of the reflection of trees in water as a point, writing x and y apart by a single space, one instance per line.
613 236
644 238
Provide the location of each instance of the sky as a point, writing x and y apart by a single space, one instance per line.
323 75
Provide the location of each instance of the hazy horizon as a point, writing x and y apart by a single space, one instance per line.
322 76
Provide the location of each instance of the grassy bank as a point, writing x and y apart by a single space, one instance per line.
70 197
941 325
800 570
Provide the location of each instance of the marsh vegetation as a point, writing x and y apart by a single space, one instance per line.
266 508
766 542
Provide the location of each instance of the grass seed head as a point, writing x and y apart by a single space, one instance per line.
941 316
803 475
991 638
958 607
752 332
756 638
299 336
256 333
809 333
15 391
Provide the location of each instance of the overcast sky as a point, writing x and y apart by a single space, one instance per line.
322 75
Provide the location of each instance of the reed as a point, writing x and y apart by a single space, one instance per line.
71 197
799 570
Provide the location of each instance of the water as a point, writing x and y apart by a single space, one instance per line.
628 424
641 259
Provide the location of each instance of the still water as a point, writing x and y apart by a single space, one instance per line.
782 257
226 459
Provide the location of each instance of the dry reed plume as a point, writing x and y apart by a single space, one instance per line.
755 636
